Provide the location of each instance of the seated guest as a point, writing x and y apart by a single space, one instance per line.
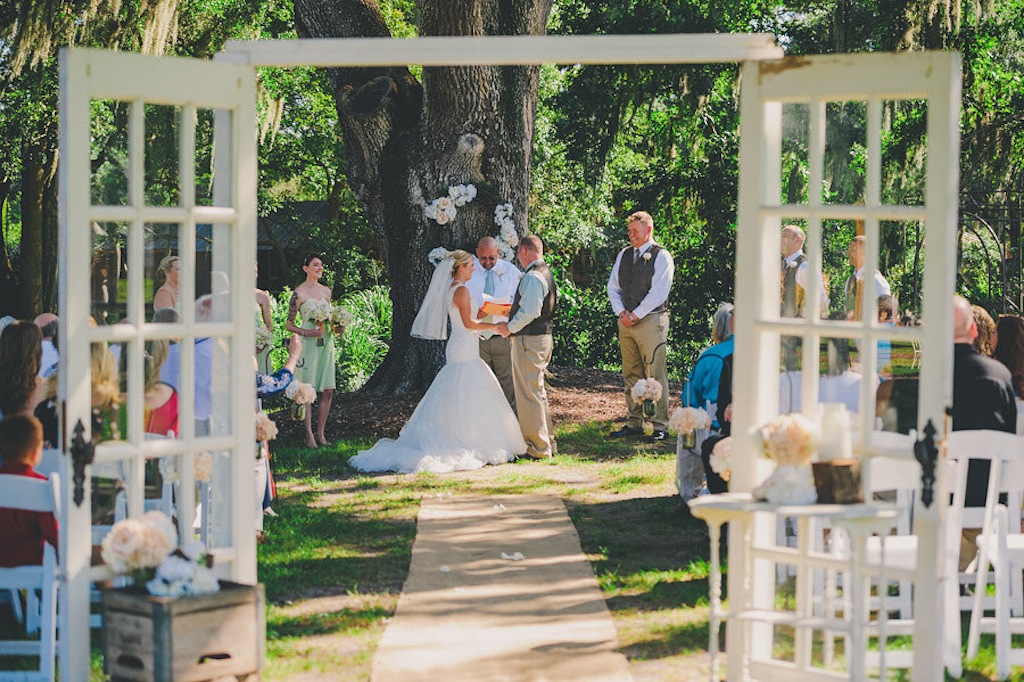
716 484
160 400
702 383
20 357
1009 349
22 533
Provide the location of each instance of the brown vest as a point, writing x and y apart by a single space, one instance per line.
542 325
635 279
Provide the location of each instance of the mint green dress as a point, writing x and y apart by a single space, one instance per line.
263 356
317 364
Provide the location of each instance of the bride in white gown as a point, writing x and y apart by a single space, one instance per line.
463 421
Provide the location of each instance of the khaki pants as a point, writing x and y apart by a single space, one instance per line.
497 353
638 344
530 357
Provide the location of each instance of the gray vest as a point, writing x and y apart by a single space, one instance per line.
541 326
635 279
790 306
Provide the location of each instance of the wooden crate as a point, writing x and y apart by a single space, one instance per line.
188 639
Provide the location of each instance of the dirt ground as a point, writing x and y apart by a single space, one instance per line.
575 395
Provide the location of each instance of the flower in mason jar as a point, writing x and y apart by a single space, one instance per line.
646 389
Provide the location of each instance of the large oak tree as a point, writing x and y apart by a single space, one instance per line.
408 139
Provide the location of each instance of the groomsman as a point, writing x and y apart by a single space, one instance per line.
638 290
500 279
530 326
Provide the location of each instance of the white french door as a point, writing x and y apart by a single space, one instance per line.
813 113
157 163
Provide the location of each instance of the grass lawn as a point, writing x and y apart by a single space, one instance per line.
334 561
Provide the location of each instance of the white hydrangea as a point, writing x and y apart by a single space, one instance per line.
193 549
462 194
501 212
506 252
175 568
788 484
508 233
438 254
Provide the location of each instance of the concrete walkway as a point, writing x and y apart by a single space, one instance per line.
468 614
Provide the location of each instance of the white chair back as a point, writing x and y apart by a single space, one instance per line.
20 492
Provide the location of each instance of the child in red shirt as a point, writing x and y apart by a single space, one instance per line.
22 533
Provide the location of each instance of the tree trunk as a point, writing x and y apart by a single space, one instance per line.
406 142
32 215
8 283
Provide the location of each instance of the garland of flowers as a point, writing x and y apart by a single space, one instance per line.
444 209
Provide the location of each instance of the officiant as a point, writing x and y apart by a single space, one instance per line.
498 279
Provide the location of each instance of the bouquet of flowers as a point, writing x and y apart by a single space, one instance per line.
266 429
340 315
688 419
264 338
721 458
790 440
315 310
438 254
300 393
646 389
147 548
318 312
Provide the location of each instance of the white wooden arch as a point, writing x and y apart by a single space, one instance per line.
757 250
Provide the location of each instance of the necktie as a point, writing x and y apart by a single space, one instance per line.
489 283
636 255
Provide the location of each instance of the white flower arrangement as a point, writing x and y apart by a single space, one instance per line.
441 210
184 573
300 393
721 458
438 254
646 389
689 419
266 429
789 440
788 484
136 544
462 194
264 338
315 310
647 256
340 315
444 209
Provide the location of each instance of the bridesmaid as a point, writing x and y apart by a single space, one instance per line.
317 366
264 318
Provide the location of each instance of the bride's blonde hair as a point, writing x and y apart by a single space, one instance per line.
460 258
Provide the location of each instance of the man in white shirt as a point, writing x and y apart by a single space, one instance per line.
795 269
855 282
638 289
498 279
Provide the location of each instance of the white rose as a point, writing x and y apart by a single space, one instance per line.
443 218
121 544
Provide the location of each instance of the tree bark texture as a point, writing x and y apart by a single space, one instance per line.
407 141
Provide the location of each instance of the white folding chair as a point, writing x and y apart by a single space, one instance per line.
901 565
1001 546
20 492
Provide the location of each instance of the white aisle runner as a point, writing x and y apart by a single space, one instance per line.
468 613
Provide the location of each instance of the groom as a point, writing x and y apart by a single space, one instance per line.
530 327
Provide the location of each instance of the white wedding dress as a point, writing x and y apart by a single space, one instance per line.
463 422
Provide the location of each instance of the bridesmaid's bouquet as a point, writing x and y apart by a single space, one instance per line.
317 311
264 338
340 315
